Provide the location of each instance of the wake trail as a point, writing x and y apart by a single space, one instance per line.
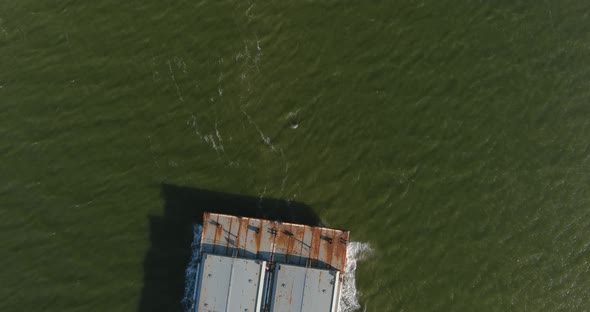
355 252
188 300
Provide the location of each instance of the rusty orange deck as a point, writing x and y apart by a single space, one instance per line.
274 242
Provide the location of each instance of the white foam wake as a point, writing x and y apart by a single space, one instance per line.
188 300
356 251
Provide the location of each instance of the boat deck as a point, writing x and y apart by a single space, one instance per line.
251 264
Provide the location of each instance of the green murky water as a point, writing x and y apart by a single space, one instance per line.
453 137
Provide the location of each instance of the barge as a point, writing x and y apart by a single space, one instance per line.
255 265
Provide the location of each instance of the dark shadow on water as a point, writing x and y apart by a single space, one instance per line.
172 233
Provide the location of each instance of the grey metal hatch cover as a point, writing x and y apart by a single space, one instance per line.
230 284
298 289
